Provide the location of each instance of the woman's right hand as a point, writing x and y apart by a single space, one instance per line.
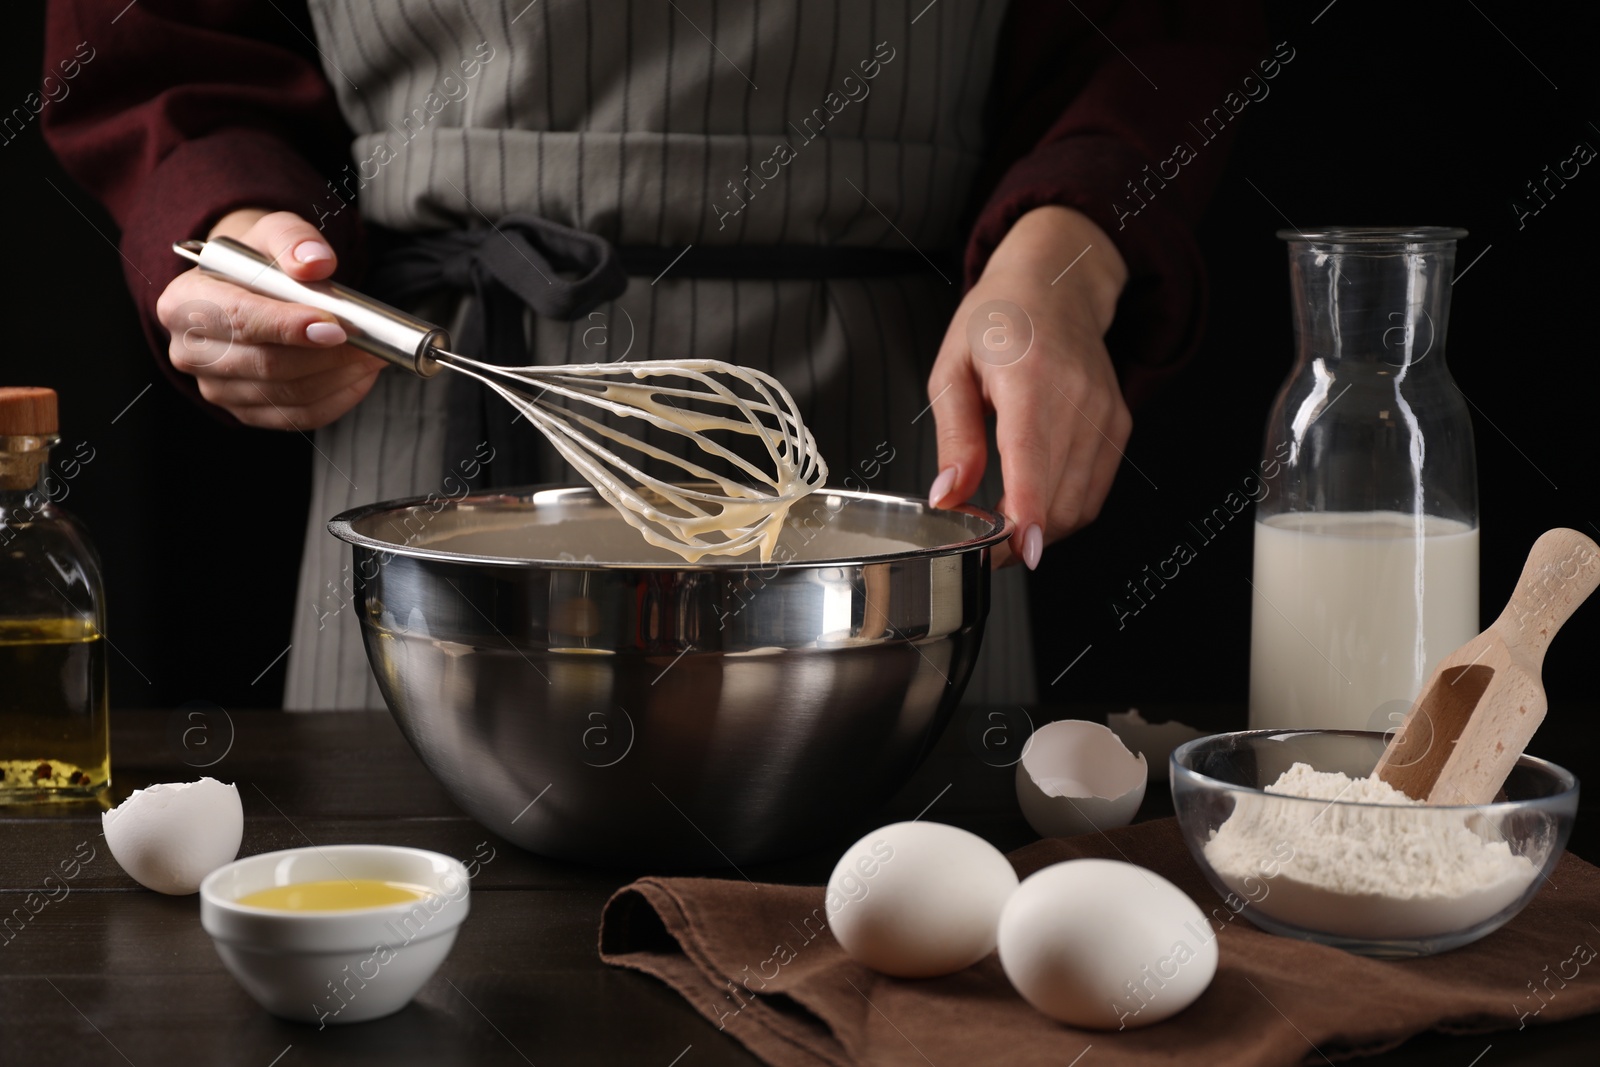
268 363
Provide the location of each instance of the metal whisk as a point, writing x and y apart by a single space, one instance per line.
735 508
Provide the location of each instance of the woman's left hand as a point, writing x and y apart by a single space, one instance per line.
1028 344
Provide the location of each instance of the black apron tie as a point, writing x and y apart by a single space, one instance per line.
523 262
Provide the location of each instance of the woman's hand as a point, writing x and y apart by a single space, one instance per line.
270 364
1027 343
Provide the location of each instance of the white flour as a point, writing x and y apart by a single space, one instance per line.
1364 872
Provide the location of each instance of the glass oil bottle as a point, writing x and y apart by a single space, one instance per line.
54 726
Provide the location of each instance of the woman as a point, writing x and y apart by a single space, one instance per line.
788 185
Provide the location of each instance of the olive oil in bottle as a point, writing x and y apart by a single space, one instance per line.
54 726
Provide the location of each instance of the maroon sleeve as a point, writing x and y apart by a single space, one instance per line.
1091 107
183 110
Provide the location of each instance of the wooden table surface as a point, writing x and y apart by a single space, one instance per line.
112 973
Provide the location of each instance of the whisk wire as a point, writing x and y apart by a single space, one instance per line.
583 388
671 515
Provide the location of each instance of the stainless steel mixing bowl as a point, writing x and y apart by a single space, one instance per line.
591 697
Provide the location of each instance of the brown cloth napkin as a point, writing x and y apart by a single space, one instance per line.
757 961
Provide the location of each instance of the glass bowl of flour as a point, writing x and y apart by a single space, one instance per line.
1297 838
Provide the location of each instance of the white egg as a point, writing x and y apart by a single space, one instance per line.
169 837
919 899
1078 777
1105 945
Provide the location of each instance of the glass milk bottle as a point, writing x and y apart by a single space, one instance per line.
1366 544
54 729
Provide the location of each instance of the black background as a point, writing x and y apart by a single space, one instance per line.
1389 113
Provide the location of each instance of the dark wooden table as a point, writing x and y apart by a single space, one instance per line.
111 973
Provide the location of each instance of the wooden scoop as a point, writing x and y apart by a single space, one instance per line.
1479 710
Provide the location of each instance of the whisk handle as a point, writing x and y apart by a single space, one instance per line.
372 325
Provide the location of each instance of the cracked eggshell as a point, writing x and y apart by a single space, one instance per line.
1077 777
1152 740
169 837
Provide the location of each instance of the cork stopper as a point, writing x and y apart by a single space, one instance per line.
27 411
28 418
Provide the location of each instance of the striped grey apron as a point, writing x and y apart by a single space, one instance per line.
685 125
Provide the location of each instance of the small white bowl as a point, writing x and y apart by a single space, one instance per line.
342 966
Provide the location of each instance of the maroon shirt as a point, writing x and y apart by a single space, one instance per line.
189 109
